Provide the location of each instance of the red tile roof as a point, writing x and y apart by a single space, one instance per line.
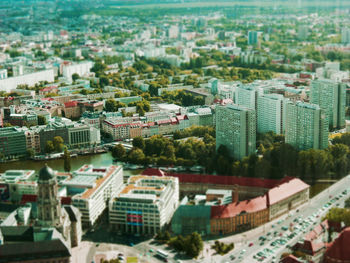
26 198
66 200
70 104
216 179
339 251
289 186
290 259
234 209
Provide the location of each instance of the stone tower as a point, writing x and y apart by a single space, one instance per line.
49 207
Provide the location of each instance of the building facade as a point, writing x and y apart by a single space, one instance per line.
91 189
331 97
144 205
270 113
13 142
306 126
236 129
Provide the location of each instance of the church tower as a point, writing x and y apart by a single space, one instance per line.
49 207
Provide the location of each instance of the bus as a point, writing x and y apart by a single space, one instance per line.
162 254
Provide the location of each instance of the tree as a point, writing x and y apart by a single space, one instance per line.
104 81
118 152
136 156
58 143
194 245
138 142
66 160
347 203
112 105
49 148
30 153
75 76
41 120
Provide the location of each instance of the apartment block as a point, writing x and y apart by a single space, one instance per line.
331 97
306 126
270 113
236 129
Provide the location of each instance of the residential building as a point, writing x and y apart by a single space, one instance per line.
145 205
91 189
33 141
173 31
345 35
253 37
246 95
30 79
306 126
331 97
82 69
303 31
270 113
236 129
338 250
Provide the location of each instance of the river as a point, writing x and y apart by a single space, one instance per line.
104 159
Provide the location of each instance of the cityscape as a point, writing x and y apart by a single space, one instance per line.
181 131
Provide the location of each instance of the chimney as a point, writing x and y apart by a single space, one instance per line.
235 194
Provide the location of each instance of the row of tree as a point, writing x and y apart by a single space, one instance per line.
274 158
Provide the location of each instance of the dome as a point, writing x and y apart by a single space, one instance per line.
46 173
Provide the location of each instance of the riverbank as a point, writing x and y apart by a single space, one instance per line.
104 159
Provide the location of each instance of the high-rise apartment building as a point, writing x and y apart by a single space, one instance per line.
306 126
246 95
253 37
270 113
345 35
236 129
330 96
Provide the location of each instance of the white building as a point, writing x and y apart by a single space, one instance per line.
91 188
81 69
3 73
236 129
19 182
31 79
345 35
246 95
173 31
270 113
145 205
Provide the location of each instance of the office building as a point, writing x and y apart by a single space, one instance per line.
91 188
306 126
144 205
16 183
28 244
331 97
236 129
12 142
270 113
